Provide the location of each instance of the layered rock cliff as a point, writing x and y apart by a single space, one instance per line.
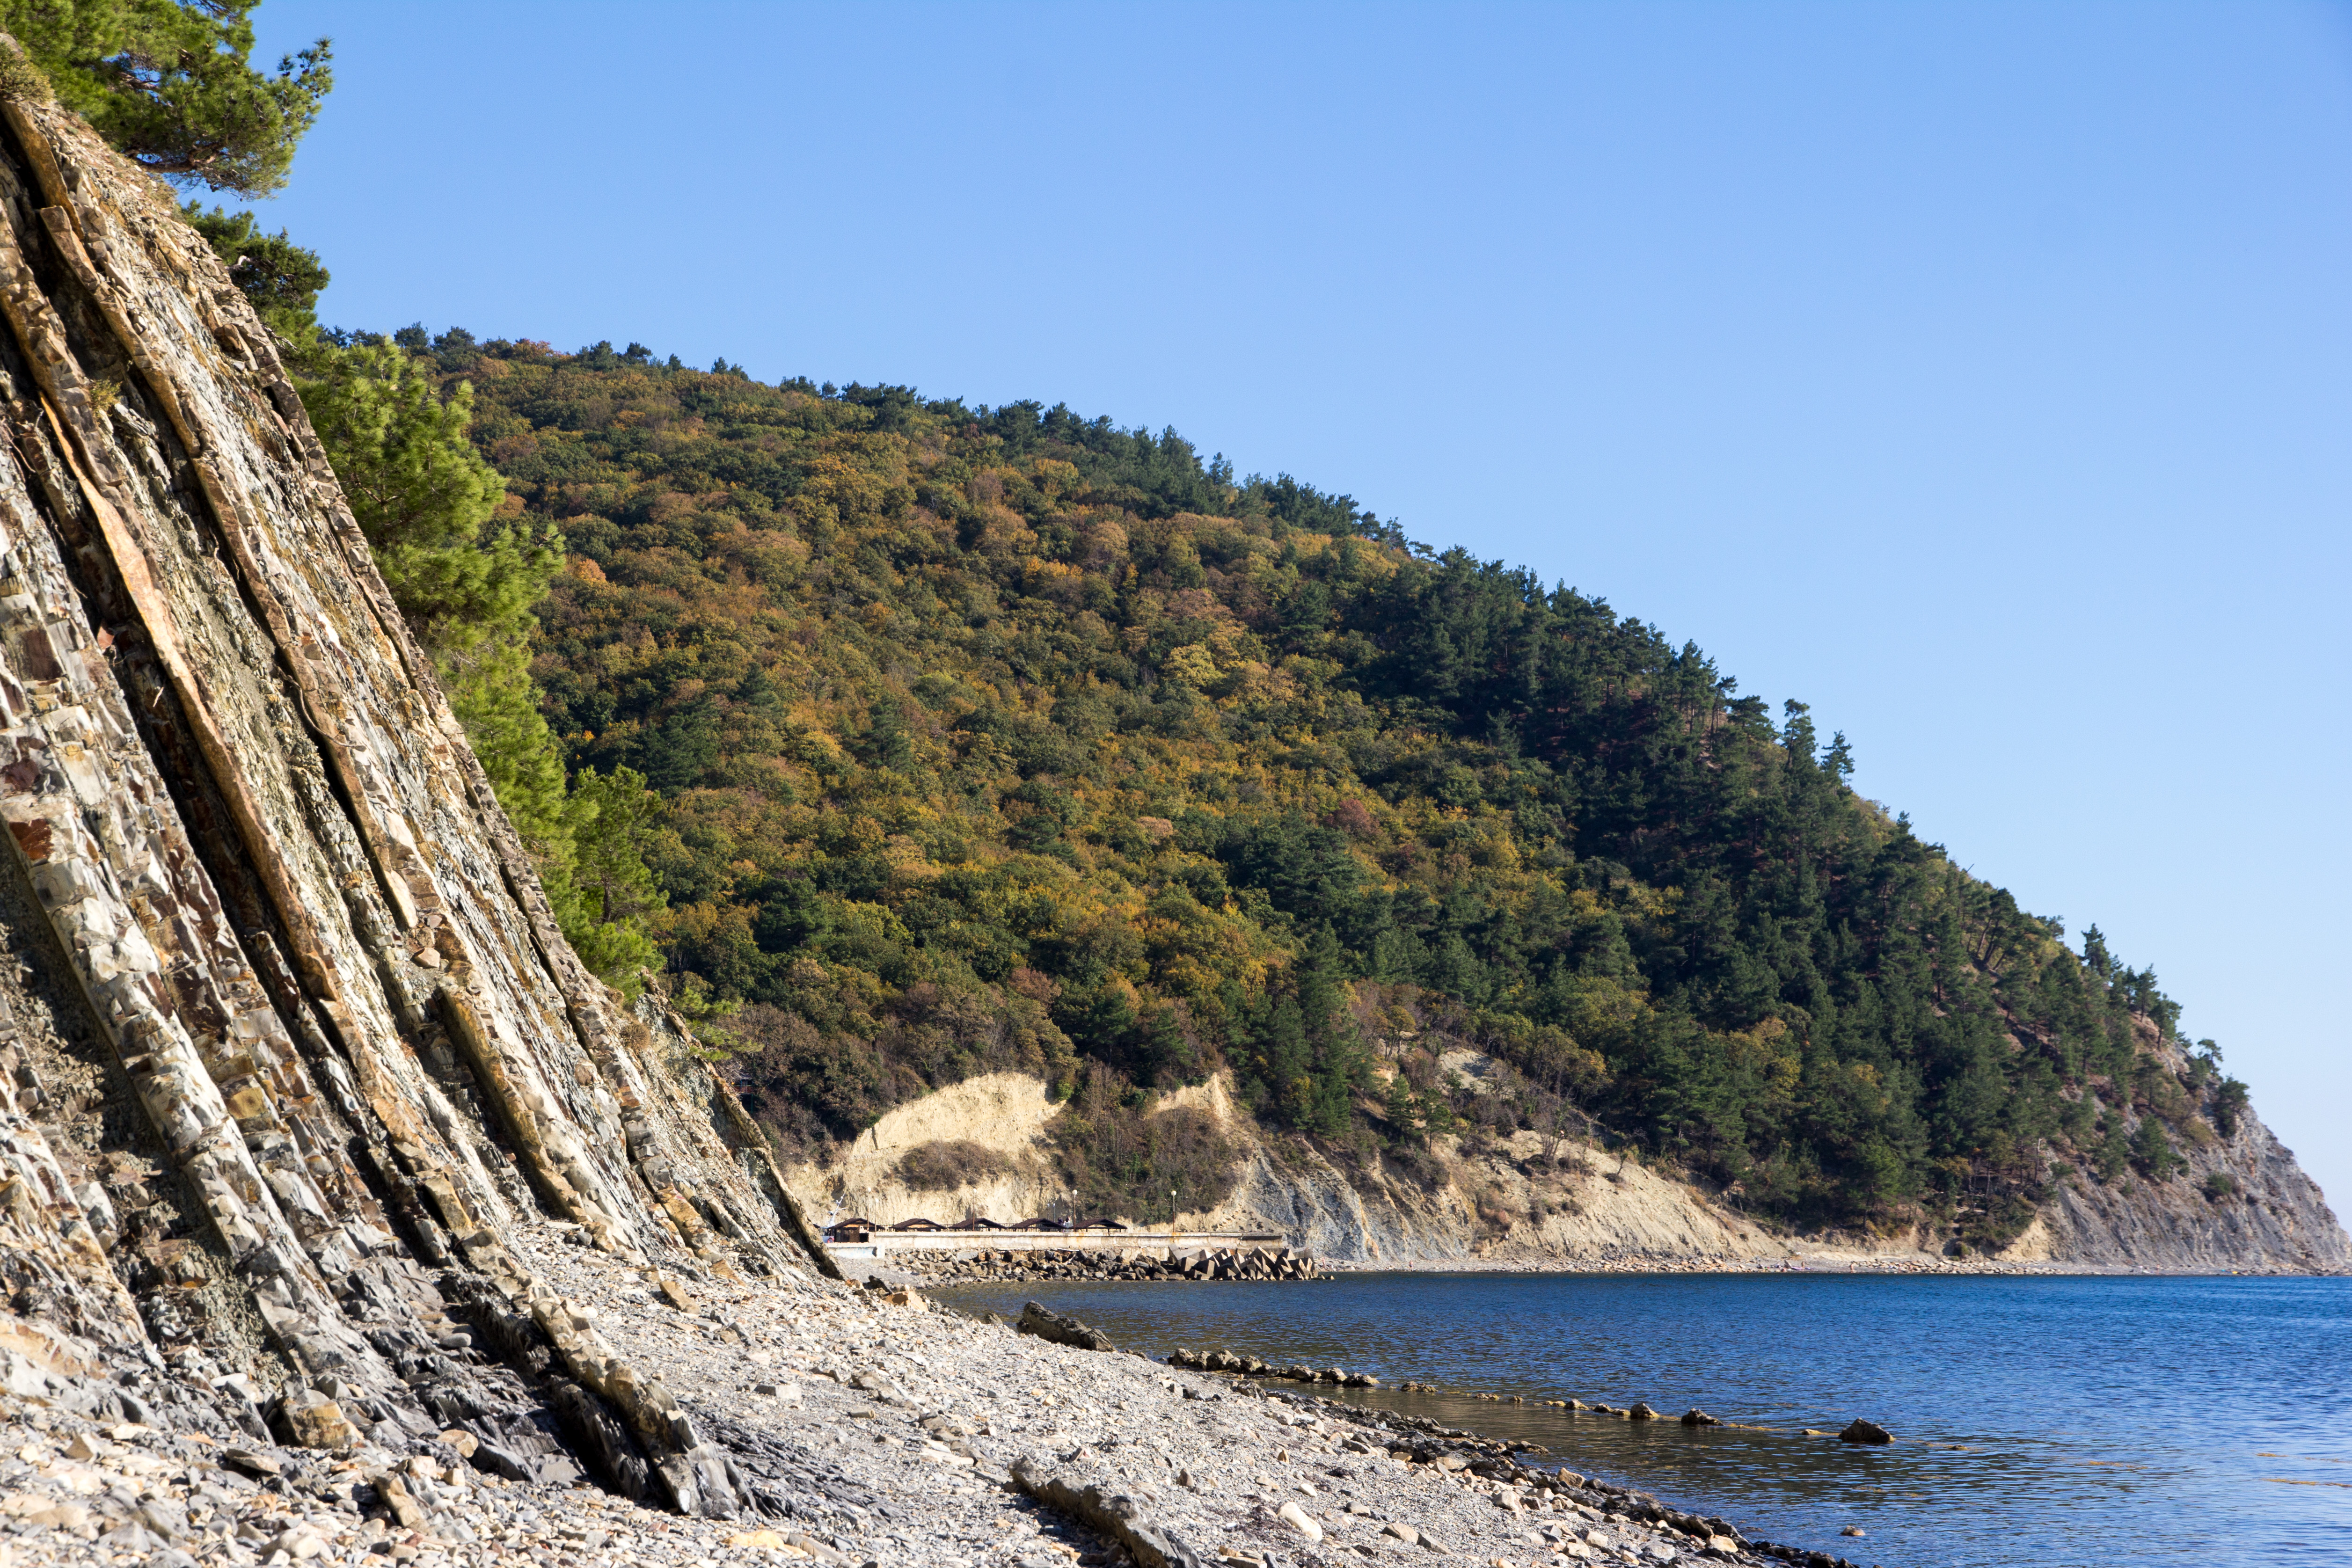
291 1038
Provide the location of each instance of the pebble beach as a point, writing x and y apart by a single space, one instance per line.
877 1430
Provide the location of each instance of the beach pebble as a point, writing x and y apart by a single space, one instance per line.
898 1436
1291 1514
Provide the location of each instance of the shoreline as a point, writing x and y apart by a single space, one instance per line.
947 1268
1826 1264
1560 1478
870 1429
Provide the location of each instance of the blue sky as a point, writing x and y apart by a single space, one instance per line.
1979 374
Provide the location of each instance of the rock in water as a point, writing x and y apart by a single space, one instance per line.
267 904
1861 1431
1695 1416
1046 1325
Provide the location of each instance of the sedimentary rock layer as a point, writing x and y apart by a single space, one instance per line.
293 1040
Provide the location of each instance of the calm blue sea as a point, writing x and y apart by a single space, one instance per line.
2043 1421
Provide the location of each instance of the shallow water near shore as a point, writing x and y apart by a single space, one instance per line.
2039 1420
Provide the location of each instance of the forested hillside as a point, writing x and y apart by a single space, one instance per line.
982 738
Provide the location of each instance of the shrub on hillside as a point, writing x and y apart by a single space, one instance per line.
944 1164
1118 1153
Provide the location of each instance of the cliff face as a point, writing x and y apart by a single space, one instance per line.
1558 1202
2272 1218
290 1037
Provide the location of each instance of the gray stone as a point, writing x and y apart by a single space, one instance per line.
1046 1325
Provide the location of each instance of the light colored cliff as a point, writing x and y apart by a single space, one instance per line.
1550 1201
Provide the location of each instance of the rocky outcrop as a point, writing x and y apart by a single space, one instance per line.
291 1040
1565 1201
2264 1214
1047 1324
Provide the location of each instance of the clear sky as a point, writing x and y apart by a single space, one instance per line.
1979 374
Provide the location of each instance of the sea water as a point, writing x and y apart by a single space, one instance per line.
2041 1421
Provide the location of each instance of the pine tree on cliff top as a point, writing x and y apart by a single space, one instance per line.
172 86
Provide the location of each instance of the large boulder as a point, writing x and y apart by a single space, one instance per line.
1861 1431
1046 1325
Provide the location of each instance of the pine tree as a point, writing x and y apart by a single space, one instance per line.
610 899
282 279
426 500
466 582
2152 1150
172 86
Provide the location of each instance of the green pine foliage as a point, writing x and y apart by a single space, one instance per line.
466 568
609 904
1000 738
172 85
427 502
281 278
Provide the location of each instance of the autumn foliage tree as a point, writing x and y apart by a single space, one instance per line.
1003 739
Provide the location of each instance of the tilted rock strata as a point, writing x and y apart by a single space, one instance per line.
302 1046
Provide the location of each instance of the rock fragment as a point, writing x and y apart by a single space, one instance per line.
1046 1325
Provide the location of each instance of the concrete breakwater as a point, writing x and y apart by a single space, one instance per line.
1001 1265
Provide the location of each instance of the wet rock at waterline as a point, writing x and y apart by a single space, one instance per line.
1047 1324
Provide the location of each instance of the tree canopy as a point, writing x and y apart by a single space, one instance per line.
282 278
172 85
1000 738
